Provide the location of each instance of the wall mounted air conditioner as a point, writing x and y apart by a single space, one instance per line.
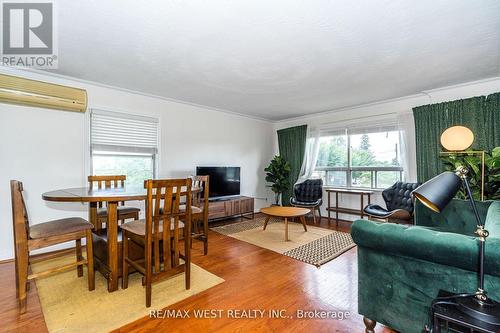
16 90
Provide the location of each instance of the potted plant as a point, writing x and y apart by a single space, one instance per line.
473 163
278 175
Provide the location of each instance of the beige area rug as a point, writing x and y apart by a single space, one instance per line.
68 305
317 246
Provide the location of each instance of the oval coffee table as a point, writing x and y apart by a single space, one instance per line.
285 213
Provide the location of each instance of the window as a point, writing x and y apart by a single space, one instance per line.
123 144
359 158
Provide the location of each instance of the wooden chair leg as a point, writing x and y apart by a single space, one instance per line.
319 213
314 215
149 271
79 257
124 261
90 260
205 231
187 260
22 275
369 325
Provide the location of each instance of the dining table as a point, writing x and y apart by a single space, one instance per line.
112 196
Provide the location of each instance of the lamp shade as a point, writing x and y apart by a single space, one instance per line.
457 138
438 192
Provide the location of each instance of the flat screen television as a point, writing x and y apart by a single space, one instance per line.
223 181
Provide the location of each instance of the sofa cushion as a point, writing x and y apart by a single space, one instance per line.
424 243
492 223
456 217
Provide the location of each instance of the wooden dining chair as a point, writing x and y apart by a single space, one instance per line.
124 212
199 210
159 234
28 238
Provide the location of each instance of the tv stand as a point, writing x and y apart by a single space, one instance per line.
233 206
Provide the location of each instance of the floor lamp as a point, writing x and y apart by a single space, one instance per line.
455 140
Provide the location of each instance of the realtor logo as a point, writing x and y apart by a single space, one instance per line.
28 34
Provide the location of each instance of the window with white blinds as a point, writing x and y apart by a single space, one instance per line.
119 132
123 144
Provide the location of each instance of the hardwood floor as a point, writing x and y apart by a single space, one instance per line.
255 279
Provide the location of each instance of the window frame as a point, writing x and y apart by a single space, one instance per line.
154 156
349 169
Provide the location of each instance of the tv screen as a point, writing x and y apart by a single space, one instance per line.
223 181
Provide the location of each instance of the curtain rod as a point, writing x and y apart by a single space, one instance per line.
346 121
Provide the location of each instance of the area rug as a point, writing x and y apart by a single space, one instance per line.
68 305
317 246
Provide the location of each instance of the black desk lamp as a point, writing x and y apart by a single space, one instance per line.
436 194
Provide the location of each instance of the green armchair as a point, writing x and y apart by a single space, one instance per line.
401 268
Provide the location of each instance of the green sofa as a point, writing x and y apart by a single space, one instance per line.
401 268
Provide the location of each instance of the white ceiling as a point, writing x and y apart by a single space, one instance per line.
283 58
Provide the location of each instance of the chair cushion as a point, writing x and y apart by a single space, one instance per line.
101 212
379 212
376 210
138 227
296 202
59 227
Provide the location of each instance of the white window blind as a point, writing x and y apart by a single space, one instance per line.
120 132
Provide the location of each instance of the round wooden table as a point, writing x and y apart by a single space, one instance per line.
285 213
112 196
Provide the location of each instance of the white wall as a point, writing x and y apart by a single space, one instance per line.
404 104
47 149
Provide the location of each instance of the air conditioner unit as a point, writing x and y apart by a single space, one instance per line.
16 90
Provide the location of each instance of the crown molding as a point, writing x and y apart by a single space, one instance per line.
423 93
26 72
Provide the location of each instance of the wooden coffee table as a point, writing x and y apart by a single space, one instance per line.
285 213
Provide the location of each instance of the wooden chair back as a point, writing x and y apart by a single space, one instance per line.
162 210
19 217
109 181
200 198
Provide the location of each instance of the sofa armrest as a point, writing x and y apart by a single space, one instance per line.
428 244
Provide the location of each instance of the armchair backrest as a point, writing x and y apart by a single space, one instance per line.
309 190
398 196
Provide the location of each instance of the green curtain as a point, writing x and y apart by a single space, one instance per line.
481 114
292 145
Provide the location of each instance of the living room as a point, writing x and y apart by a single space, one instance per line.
304 135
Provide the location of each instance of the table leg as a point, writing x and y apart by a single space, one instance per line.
337 208
93 215
362 205
265 222
303 220
286 229
329 206
112 228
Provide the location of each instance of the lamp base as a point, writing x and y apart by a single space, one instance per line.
486 311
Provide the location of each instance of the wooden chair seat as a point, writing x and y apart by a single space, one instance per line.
194 209
162 251
59 227
33 237
99 210
122 210
138 227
